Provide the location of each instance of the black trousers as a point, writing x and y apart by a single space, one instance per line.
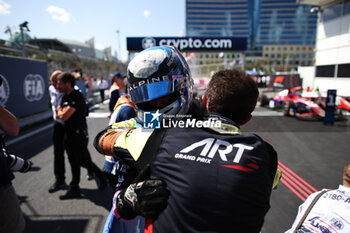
102 93
78 155
58 150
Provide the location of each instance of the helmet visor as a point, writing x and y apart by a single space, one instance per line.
152 91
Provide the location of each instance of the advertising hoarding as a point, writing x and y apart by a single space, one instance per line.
189 43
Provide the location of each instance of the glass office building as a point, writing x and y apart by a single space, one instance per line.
285 22
217 18
263 22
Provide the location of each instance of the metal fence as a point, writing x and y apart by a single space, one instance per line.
58 60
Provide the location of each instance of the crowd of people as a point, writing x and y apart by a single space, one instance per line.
173 179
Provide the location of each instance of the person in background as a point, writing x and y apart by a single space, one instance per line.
115 170
330 210
58 135
123 110
116 90
102 85
11 216
72 112
89 86
78 74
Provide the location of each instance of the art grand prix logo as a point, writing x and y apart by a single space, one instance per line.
33 87
211 147
4 90
152 120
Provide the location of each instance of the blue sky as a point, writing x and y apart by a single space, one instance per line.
81 20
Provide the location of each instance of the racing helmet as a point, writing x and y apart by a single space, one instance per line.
160 79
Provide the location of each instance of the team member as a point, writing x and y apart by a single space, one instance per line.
116 90
330 212
72 111
58 135
220 180
115 170
124 110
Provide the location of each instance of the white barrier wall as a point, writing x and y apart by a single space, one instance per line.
342 85
307 73
333 47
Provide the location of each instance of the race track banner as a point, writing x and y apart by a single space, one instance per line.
189 43
24 90
285 81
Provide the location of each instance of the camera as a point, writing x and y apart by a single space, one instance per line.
15 163
18 164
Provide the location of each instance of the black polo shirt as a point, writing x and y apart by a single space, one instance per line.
75 100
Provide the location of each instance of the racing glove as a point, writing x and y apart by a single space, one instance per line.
144 197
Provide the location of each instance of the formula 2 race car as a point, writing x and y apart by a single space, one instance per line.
307 105
309 110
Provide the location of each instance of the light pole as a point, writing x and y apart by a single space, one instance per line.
119 50
21 27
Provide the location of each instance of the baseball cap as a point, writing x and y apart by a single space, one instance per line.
119 75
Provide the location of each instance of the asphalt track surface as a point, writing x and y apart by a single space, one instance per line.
311 156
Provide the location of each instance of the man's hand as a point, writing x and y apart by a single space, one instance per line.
147 198
65 113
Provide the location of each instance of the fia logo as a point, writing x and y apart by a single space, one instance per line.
152 120
33 87
4 90
148 42
337 223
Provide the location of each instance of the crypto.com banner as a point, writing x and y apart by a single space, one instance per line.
189 43
24 86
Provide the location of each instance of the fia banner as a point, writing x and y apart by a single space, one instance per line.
24 90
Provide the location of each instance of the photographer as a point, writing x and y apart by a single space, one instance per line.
10 213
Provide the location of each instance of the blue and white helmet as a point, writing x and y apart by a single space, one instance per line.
157 72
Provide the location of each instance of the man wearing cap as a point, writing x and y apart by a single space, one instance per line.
116 90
